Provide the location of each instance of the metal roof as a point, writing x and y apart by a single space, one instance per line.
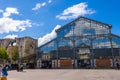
87 19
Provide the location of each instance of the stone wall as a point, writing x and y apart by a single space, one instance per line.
26 45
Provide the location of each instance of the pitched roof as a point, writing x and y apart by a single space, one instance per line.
87 19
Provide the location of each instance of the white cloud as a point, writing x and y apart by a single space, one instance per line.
48 36
49 1
37 24
8 24
10 11
11 36
38 6
80 9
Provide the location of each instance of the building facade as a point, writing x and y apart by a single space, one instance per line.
26 46
82 43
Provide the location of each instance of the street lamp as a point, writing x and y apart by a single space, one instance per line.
112 51
57 53
74 52
92 54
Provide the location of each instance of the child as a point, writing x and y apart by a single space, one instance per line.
4 73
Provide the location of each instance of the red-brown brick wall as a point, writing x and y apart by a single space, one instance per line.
66 63
103 63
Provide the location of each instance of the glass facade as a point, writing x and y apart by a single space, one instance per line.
81 39
48 51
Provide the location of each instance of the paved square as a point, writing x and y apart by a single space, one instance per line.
65 74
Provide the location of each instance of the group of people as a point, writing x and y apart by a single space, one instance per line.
20 68
3 72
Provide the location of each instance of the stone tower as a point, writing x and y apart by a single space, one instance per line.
26 45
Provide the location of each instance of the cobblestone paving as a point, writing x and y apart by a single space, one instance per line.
65 74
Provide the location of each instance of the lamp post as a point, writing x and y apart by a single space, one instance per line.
57 53
74 52
112 52
92 54
91 44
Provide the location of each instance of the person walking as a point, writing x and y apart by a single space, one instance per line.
4 72
118 65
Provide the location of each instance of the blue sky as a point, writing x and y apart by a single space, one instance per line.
40 18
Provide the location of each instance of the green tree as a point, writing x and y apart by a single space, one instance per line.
3 54
15 53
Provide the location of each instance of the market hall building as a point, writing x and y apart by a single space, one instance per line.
82 43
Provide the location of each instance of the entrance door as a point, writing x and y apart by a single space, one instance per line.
83 56
46 64
84 63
